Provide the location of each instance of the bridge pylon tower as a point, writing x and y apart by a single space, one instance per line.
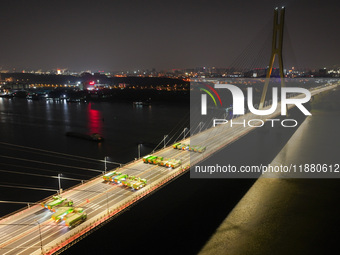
277 42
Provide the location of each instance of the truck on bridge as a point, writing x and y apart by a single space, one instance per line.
134 182
169 162
61 212
156 160
140 183
200 149
110 175
183 146
163 162
173 163
151 159
175 145
55 202
119 178
145 159
129 180
75 218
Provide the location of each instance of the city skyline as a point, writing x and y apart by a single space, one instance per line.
123 35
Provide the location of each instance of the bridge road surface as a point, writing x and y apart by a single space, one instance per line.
20 233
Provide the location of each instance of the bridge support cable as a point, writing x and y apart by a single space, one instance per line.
260 61
198 126
203 143
62 155
25 187
181 123
110 162
215 132
159 143
45 170
184 135
171 138
290 50
257 56
190 131
19 202
40 175
179 135
53 164
201 125
244 60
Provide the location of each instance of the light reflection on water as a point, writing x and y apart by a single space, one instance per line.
43 124
95 120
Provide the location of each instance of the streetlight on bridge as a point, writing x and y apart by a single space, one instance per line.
60 189
105 167
165 136
139 148
41 244
184 135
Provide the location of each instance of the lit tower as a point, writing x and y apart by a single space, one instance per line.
276 50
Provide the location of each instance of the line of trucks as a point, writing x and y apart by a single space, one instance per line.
188 147
130 181
170 162
161 161
64 210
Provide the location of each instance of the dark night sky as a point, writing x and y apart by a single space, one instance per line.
115 35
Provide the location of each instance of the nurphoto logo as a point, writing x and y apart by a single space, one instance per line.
293 96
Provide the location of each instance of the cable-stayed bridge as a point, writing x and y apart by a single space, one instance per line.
32 231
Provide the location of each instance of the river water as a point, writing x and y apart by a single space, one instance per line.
42 124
